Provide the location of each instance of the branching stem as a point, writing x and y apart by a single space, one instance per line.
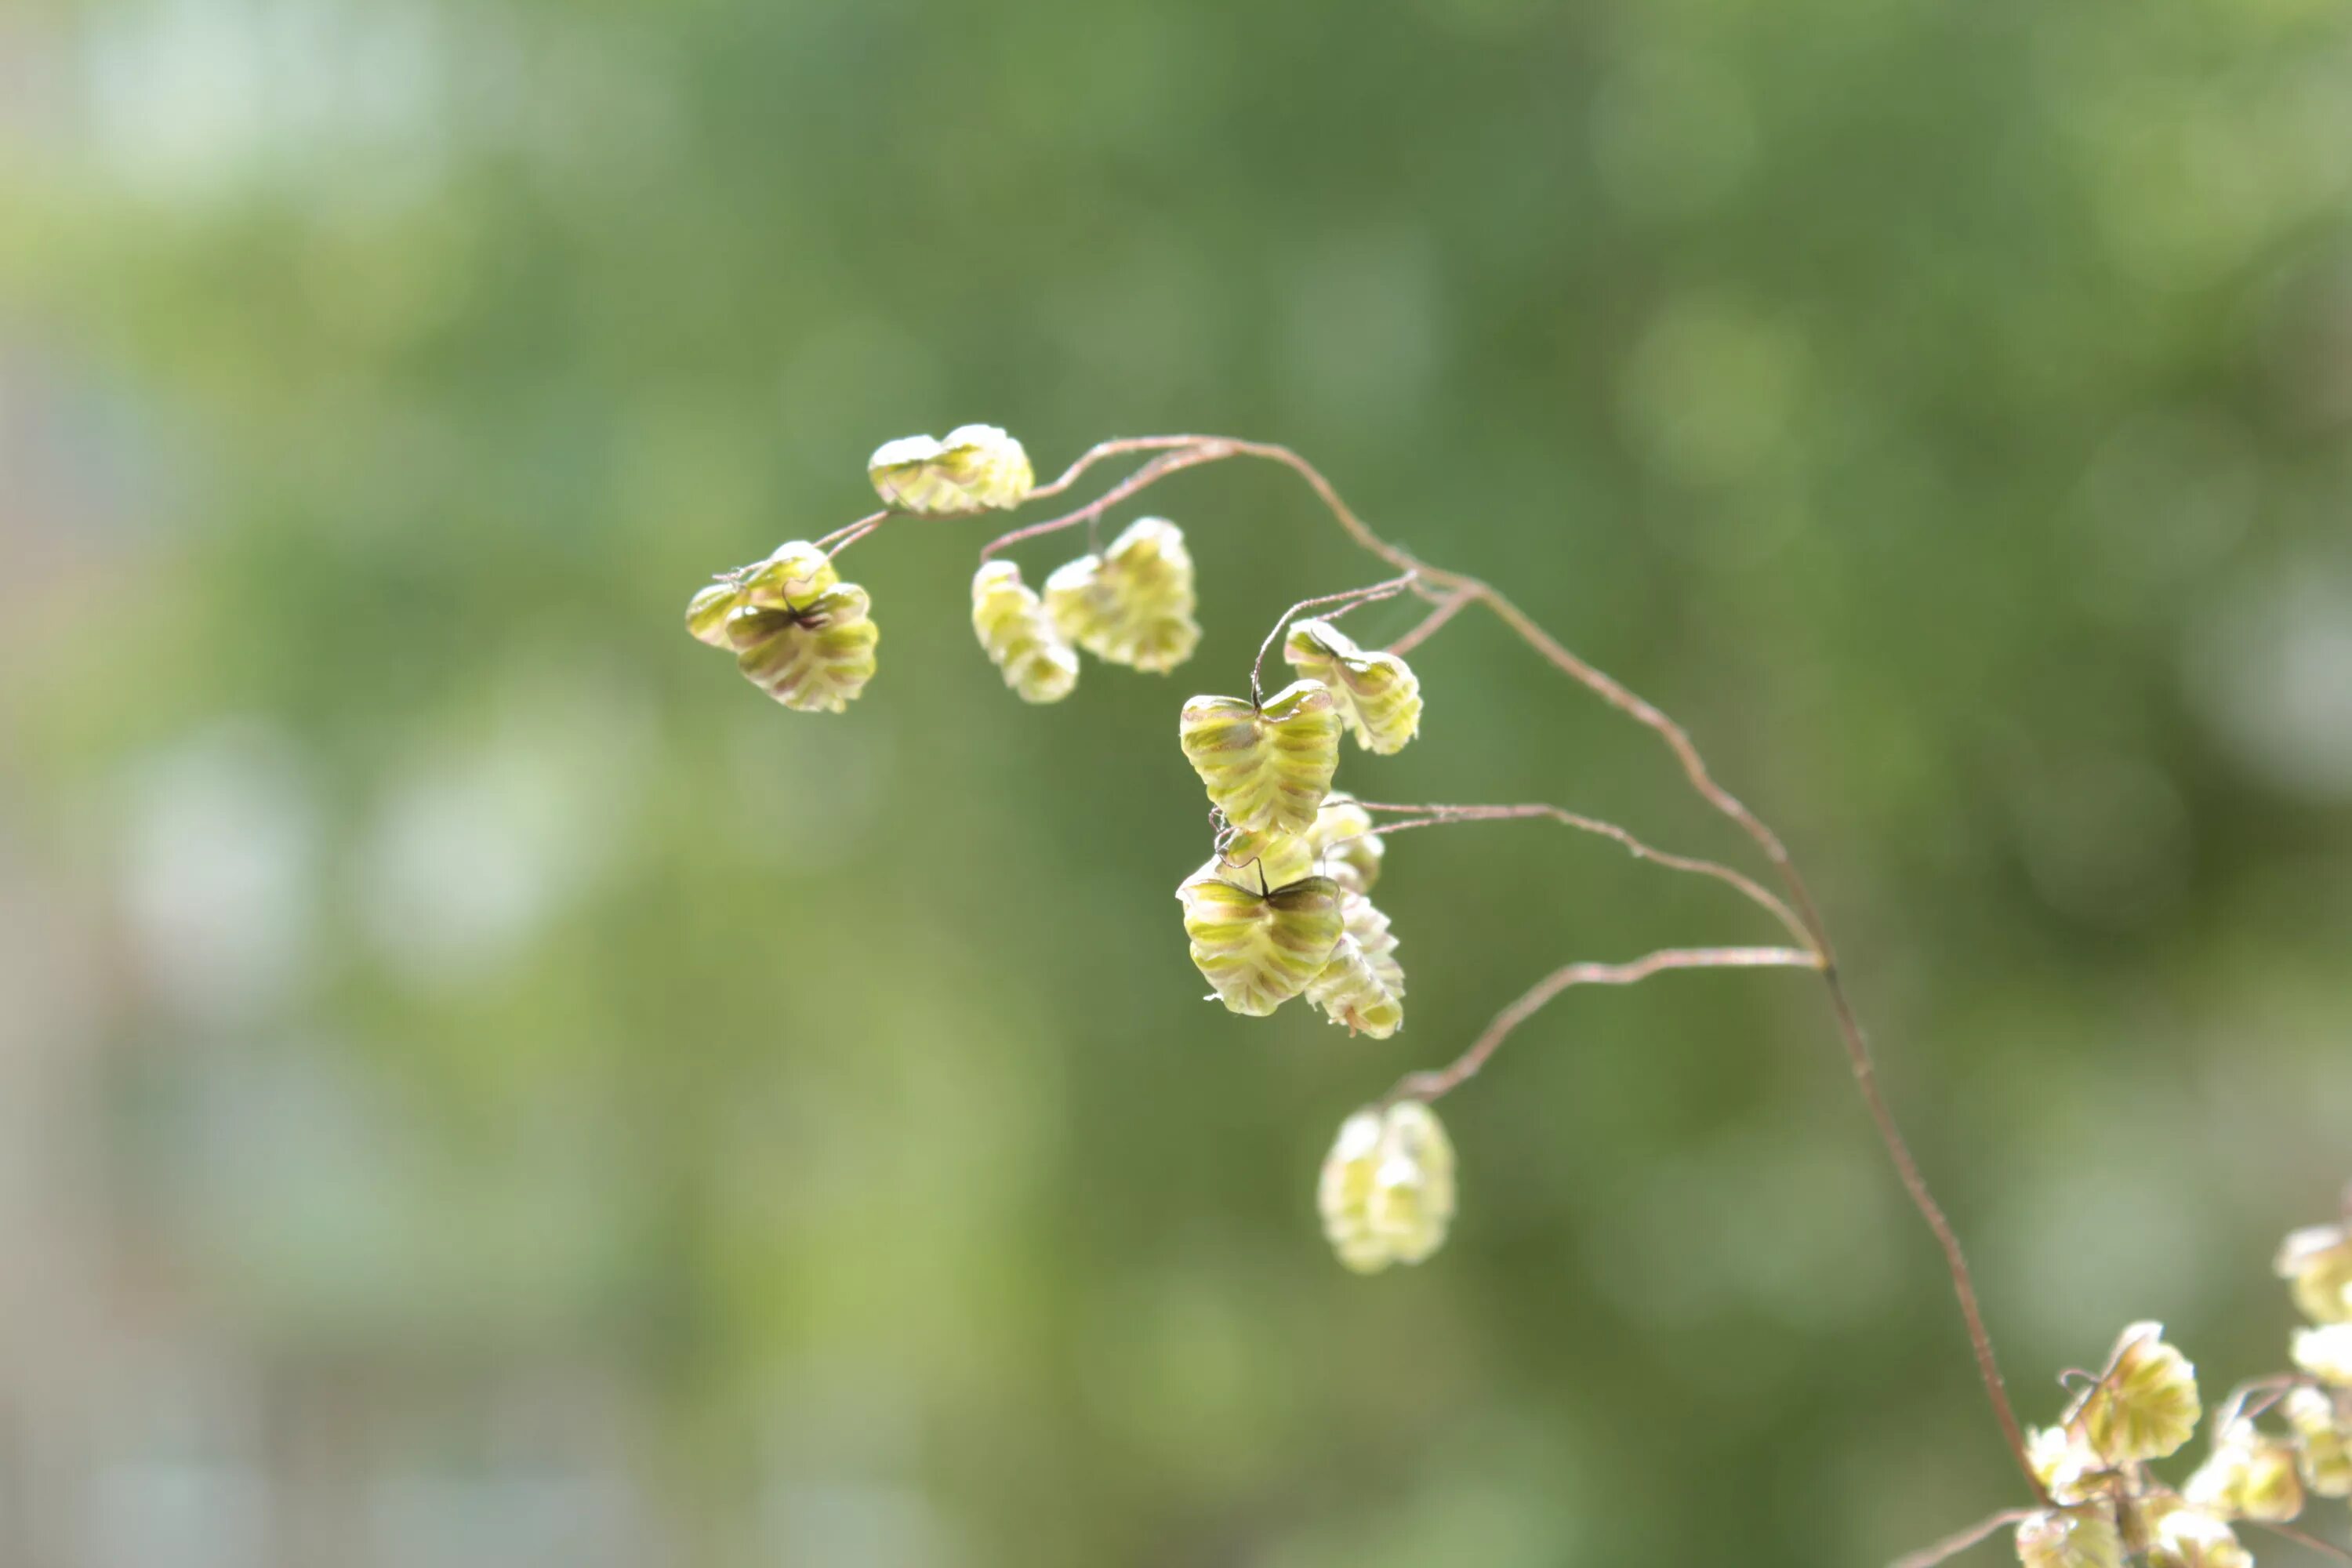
1953 1545
1174 453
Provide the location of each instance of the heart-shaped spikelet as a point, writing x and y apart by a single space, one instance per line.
976 467
1014 631
1132 604
1377 693
1265 766
797 631
1259 949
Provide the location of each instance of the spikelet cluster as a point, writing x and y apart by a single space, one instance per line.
2144 1407
1014 630
1387 1189
1133 603
977 467
797 631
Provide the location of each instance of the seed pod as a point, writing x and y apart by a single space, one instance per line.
1259 949
2189 1539
798 632
2062 1538
2323 1433
2249 1475
1363 986
1013 630
1343 838
1132 604
2326 1352
976 467
2145 1406
1267 859
1377 694
1386 1193
2318 1260
1264 767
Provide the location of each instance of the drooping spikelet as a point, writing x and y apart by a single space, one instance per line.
2145 1406
1378 696
1363 986
2250 1475
978 467
2069 1538
797 631
1133 603
2323 1430
1259 949
1014 631
1386 1193
1266 859
2317 1260
1264 767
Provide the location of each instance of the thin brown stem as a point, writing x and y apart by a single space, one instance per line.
1746 885
1352 599
840 539
1159 468
1448 606
2308 1543
1426 1085
1953 1545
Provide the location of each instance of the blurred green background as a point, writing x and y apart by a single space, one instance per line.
481 1086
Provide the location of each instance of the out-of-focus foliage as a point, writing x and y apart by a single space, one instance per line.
485 1085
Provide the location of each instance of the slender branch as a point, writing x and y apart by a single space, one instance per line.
1448 606
2308 1543
1187 451
1426 1085
1593 824
1352 598
1953 1545
1112 448
1159 469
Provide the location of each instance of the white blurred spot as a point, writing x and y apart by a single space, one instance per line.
219 868
2271 673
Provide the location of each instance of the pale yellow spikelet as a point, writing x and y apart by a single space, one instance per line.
2323 1430
976 467
2069 1538
1387 1189
1412 1191
2250 1475
2317 1262
2145 1404
2326 1352
1133 603
1363 986
1014 631
1259 949
1377 693
1269 766
1343 838
1344 1194
797 631
2187 1537
2062 1462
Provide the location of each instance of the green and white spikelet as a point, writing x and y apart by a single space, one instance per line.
1133 603
1264 767
1014 631
1345 847
797 631
1378 696
1259 949
976 468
